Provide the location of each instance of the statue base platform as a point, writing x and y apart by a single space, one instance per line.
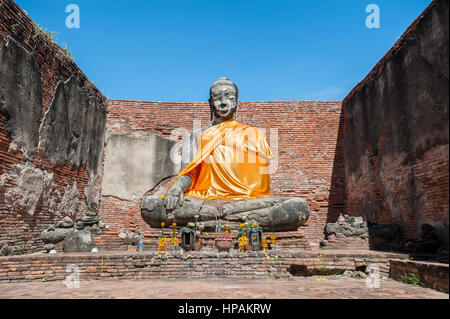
285 240
108 240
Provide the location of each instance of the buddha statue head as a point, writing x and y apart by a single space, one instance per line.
223 100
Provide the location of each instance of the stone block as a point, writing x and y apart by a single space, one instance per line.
79 241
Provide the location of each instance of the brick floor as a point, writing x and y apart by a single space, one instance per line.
292 288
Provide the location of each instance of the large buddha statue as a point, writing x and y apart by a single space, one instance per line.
227 161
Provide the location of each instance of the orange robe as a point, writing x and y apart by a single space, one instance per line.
232 163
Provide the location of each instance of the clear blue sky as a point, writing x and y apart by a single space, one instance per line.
173 50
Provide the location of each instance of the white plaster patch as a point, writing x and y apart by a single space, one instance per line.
133 166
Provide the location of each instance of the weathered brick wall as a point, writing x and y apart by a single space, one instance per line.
310 155
17 227
429 274
396 131
127 265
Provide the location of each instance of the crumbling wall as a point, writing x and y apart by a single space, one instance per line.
52 123
73 128
396 132
20 96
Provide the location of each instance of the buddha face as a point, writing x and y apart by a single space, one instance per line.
223 101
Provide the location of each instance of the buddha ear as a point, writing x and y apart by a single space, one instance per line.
211 109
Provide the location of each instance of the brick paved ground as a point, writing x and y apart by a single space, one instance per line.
293 288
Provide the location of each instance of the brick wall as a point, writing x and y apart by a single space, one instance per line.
310 158
432 275
16 226
136 266
396 132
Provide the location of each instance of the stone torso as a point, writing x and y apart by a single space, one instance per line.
235 168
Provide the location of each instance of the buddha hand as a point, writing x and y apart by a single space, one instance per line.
175 196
